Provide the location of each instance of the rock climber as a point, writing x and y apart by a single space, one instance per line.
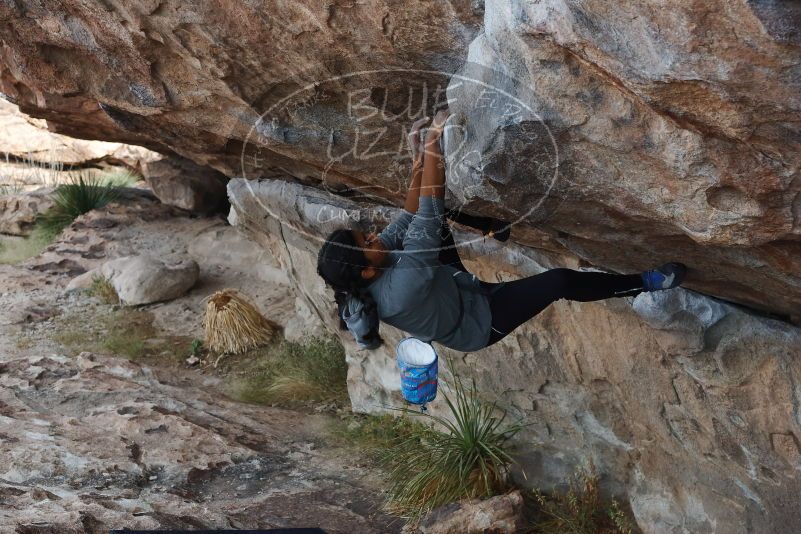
410 275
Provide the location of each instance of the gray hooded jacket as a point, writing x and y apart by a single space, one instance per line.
419 295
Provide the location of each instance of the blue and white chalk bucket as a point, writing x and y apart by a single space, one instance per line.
417 361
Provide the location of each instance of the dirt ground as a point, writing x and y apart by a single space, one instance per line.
91 439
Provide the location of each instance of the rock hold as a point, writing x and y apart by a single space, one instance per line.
502 514
649 389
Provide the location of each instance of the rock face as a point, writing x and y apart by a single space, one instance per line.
686 404
110 444
18 212
145 279
181 183
502 514
614 135
32 157
624 136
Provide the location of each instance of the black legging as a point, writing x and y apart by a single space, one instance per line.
513 303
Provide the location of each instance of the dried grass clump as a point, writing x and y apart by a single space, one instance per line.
233 325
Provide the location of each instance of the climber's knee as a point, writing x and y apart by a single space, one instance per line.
558 282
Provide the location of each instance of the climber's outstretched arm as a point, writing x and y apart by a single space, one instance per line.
433 181
413 195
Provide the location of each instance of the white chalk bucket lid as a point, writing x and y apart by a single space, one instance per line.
413 352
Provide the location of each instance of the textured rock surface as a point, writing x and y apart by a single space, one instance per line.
686 404
181 183
674 126
32 157
674 130
502 514
18 212
108 443
146 279
91 442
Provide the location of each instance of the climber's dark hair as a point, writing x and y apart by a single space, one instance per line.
340 263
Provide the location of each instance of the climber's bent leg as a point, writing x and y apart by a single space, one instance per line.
514 303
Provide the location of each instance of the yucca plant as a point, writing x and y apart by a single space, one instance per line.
469 458
82 194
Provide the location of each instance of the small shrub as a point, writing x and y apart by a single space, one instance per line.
470 458
294 372
579 510
81 195
125 342
196 348
102 289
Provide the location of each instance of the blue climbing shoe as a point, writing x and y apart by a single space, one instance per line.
667 276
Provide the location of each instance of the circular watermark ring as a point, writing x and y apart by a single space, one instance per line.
477 166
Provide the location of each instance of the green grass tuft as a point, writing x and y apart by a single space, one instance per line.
580 509
291 373
468 458
102 290
125 332
15 249
375 433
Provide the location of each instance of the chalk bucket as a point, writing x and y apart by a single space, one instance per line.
417 361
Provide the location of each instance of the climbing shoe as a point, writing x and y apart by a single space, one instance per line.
667 276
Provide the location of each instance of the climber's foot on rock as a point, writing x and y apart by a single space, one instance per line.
667 276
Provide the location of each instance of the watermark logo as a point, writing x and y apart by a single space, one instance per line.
349 134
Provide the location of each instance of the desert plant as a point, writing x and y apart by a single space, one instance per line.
125 332
470 458
580 509
233 325
11 188
82 194
103 290
196 347
291 372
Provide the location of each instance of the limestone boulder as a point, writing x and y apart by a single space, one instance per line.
146 279
625 135
683 402
181 183
19 211
502 514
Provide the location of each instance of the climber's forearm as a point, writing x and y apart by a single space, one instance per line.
413 196
433 182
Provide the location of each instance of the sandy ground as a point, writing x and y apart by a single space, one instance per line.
92 441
